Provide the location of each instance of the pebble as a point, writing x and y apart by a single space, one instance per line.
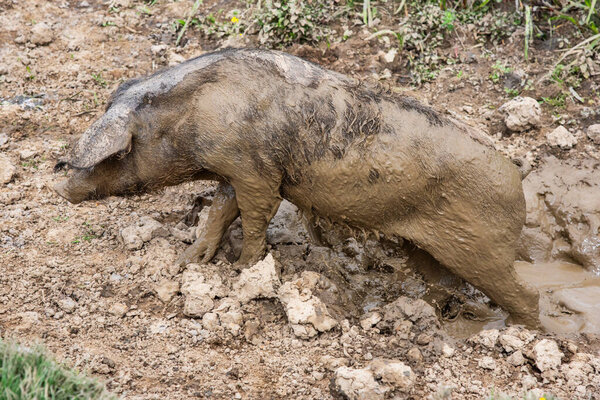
521 114
41 34
561 137
546 355
7 170
67 304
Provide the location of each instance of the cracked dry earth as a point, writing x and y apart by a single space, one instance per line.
356 319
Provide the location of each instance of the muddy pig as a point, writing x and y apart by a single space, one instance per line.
267 125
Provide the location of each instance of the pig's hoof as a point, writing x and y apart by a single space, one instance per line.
188 257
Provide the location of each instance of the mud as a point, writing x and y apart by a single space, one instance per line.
68 281
569 296
415 175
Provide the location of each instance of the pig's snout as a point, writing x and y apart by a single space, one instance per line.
65 189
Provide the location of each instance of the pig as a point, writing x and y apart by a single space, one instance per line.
269 126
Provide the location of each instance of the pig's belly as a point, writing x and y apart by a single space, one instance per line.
372 195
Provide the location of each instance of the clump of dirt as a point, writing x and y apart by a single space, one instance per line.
96 282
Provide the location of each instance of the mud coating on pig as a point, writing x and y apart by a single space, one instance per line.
269 125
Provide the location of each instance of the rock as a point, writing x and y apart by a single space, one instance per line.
487 338
41 34
166 290
511 343
558 193
415 311
210 321
414 354
561 137
487 363
134 236
67 304
393 372
390 56
370 320
118 309
303 308
447 350
232 321
131 239
546 355
593 132
27 154
358 384
259 281
516 359
7 170
521 114
150 228
200 291
286 227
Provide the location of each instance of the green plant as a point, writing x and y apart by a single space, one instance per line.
30 75
30 373
99 80
448 20
292 21
557 101
498 71
511 92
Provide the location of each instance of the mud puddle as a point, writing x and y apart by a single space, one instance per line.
569 295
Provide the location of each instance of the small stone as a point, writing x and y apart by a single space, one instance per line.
370 320
67 304
166 290
487 363
390 56
593 132
546 355
511 343
131 239
561 137
516 359
150 228
488 338
414 354
259 281
332 363
393 372
200 291
27 154
118 310
521 114
358 384
303 308
7 170
232 321
528 382
41 34
210 321
447 350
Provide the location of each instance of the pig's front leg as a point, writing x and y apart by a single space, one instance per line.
223 211
258 202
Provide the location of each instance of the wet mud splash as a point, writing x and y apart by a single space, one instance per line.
569 295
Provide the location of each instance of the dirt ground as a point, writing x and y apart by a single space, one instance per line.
68 280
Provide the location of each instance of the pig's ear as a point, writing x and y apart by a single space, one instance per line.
97 144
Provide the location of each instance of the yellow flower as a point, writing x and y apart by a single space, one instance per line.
234 20
542 398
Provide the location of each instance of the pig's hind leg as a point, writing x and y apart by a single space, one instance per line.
223 211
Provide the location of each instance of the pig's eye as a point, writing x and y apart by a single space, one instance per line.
121 154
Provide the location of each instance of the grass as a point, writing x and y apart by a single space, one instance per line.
30 373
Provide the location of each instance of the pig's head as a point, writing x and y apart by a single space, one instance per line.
125 151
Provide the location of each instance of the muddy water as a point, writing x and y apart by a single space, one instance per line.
569 295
